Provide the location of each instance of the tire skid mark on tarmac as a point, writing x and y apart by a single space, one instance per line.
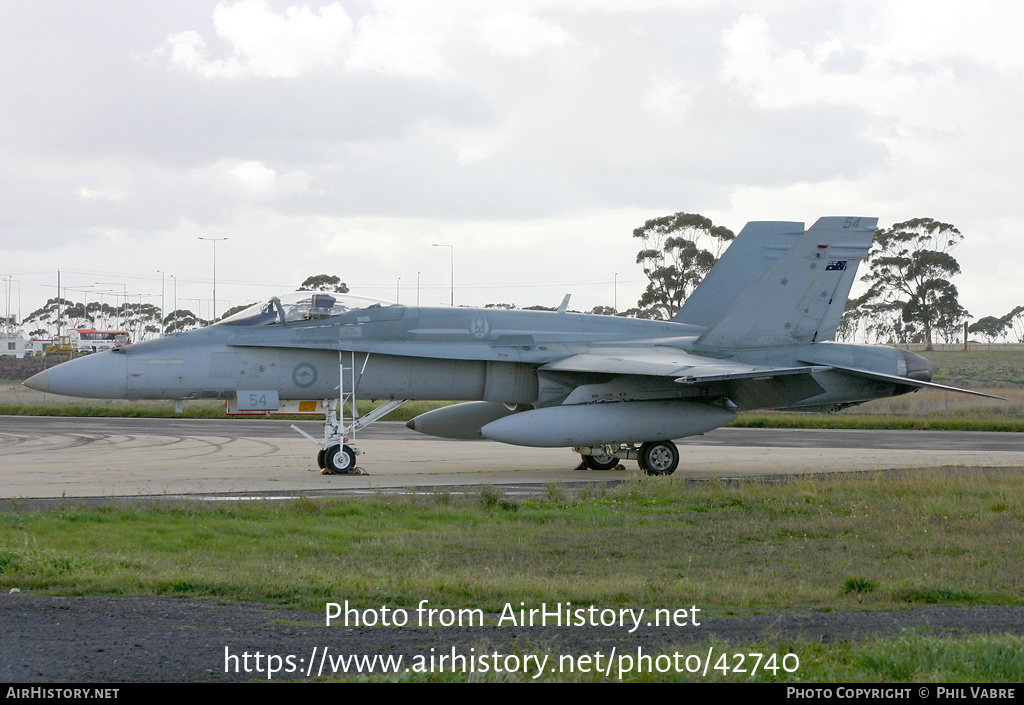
15 444
31 443
214 446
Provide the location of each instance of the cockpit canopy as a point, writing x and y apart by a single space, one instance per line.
300 306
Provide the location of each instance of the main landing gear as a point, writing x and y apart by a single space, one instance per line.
658 458
654 458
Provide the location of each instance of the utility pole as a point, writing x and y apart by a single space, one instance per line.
452 270
214 240
124 309
175 280
162 312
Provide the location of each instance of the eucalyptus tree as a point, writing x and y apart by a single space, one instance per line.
678 251
909 272
324 282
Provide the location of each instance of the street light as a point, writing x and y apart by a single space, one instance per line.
175 279
7 316
214 240
124 309
162 312
452 269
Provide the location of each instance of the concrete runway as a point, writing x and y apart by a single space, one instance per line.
52 457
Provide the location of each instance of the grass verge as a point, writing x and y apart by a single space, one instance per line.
836 543
882 541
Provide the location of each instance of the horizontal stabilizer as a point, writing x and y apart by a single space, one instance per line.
909 382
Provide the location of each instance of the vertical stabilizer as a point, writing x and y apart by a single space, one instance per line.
758 246
800 299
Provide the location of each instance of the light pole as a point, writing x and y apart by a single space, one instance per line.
7 317
140 324
452 269
175 279
417 288
162 313
199 306
615 295
398 291
124 309
214 240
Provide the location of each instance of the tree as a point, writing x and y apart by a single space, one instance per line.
60 313
324 282
181 320
990 327
141 320
678 251
909 272
1015 323
235 309
993 327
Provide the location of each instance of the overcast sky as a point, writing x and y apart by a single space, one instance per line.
349 137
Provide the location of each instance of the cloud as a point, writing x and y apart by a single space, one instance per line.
518 34
254 180
100 194
396 38
265 44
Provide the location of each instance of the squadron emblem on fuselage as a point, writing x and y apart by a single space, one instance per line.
480 327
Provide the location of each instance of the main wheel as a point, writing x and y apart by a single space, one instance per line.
321 463
340 459
601 461
659 458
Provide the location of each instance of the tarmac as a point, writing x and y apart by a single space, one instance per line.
50 457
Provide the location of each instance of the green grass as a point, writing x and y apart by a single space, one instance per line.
848 420
917 538
978 365
879 541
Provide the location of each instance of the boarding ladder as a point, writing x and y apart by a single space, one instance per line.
342 419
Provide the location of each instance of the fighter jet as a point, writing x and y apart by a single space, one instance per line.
756 334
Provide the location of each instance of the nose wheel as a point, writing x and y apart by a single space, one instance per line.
337 460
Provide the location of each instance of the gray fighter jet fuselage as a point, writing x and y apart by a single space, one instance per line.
610 387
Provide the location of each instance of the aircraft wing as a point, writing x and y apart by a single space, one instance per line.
636 370
663 361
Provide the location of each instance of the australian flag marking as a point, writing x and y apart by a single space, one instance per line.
836 265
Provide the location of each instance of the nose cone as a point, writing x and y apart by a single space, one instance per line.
99 376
